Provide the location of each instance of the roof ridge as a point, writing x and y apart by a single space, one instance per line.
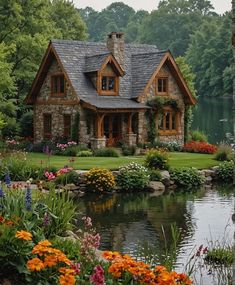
151 52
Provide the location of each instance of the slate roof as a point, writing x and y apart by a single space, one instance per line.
80 57
94 62
143 67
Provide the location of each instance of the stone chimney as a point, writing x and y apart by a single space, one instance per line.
116 45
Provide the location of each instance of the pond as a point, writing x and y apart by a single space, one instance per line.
214 116
134 223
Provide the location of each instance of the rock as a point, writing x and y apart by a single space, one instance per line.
209 172
215 168
156 186
165 174
202 172
208 180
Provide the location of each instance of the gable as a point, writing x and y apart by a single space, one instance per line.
169 61
49 65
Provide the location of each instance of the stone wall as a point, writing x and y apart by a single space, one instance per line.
174 93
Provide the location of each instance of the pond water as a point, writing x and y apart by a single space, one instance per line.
132 223
214 116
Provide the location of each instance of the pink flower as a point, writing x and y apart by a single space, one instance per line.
49 175
76 267
97 278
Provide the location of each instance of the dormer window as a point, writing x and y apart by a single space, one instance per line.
58 85
162 85
108 83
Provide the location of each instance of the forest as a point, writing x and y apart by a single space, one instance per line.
191 30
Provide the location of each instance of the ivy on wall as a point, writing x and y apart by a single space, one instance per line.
75 128
151 125
160 102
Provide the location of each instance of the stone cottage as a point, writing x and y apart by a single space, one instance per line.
108 93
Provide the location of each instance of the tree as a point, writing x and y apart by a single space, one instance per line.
210 55
171 26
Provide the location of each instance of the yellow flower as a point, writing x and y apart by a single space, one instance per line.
35 264
23 235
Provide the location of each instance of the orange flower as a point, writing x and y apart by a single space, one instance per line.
67 279
9 223
50 260
111 255
35 264
23 235
45 243
160 268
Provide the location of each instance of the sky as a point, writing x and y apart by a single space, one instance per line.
220 5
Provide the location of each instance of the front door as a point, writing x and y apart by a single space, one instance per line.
112 129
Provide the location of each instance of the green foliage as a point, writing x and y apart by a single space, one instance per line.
70 151
85 153
198 136
159 102
157 159
75 127
224 152
210 55
133 177
106 152
187 178
220 256
151 125
26 124
71 177
155 175
128 150
99 180
70 247
225 171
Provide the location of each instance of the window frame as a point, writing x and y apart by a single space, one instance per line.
169 131
113 92
58 94
166 79
47 134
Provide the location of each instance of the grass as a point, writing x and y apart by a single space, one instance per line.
177 160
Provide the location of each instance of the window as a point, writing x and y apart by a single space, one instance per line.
168 122
108 83
57 85
162 85
67 126
47 126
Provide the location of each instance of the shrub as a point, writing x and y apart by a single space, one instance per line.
70 151
198 136
26 124
157 159
85 153
128 150
224 153
187 178
68 178
155 175
99 180
133 177
199 147
106 152
225 171
220 255
41 146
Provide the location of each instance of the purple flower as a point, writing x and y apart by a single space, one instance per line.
2 194
46 220
28 197
8 180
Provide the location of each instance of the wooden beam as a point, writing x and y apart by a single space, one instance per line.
129 123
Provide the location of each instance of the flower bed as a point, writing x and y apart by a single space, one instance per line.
199 147
33 250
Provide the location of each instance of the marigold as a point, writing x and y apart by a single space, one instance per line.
45 243
35 264
24 235
67 279
111 255
50 260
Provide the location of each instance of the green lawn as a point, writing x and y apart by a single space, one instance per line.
177 159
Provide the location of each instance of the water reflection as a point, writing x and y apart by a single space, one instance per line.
128 221
214 116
